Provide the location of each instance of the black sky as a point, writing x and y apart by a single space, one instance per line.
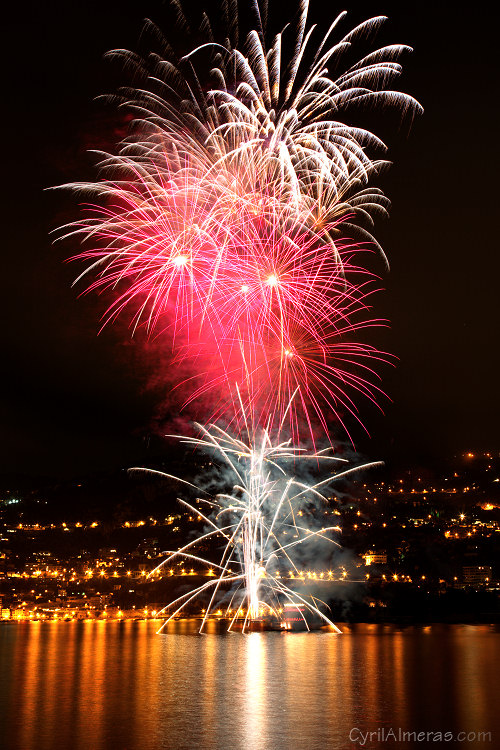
72 401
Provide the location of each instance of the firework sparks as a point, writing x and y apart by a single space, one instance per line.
259 523
224 217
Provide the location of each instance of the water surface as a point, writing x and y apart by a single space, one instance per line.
119 686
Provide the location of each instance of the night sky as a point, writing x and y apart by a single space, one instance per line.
75 402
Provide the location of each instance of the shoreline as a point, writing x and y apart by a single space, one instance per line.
396 622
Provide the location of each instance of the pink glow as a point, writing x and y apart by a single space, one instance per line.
236 325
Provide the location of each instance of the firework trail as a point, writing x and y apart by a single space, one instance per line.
234 223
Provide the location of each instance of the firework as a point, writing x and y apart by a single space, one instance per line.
245 300
224 220
260 523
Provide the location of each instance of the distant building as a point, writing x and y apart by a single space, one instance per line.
477 574
375 558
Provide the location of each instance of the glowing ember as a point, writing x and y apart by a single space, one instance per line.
272 280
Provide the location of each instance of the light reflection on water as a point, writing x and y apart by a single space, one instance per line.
119 686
